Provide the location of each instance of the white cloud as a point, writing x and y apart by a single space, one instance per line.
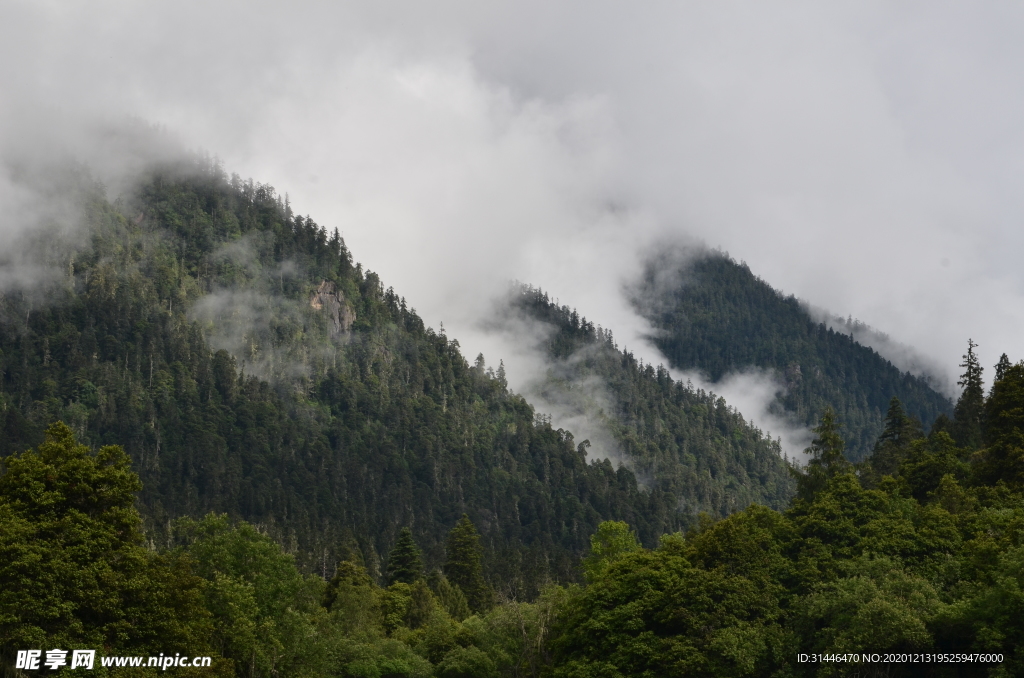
862 156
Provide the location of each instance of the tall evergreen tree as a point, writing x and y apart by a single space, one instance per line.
970 408
1004 430
1000 369
463 567
715 315
827 460
892 445
404 562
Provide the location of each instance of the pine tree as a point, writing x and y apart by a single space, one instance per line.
463 567
1004 431
404 562
1000 369
969 411
827 460
890 449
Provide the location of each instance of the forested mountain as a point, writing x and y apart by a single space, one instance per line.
343 419
716 316
682 440
909 564
248 366
223 359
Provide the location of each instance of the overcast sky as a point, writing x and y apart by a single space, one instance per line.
863 156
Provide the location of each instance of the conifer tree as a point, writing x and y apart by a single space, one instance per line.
404 562
890 449
827 460
970 408
1004 431
463 567
1000 369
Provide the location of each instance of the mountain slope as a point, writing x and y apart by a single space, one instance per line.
248 366
714 315
681 440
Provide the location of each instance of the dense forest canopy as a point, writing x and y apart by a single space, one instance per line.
909 564
682 440
714 315
223 437
248 366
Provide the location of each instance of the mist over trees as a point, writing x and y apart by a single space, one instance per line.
714 315
298 478
922 559
250 367
682 440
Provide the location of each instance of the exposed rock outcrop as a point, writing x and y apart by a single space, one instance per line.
327 297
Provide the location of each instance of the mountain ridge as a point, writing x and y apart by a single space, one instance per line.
185 328
713 314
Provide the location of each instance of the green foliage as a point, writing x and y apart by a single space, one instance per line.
612 540
1000 368
348 575
928 461
826 458
466 662
1003 458
713 314
394 604
516 635
404 562
449 597
875 604
751 543
893 444
73 568
653 613
695 451
267 615
970 407
988 619
463 564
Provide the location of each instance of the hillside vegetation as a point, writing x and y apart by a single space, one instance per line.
716 316
222 437
682 440
248 366
910 564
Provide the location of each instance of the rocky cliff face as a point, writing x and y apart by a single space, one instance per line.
329 299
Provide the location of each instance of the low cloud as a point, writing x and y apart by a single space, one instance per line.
559 391
755 394
581 401
278 337
905 358
860 156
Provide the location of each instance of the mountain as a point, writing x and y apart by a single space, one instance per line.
682 440
714 315
250 367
